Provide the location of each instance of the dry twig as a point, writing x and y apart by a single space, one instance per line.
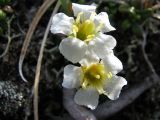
33 25
38 67
9 37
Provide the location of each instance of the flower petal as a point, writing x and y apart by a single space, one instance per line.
89 58
102 44
103 18
87 97
86 9
61 23
73 49
112 63
113 87
72 76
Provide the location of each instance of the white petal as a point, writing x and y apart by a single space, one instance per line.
113 87
87 97
103 17
89 58
72 76
61 23
86 9
112 63
73 49
102 44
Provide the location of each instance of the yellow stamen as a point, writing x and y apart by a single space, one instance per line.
75 30
87 28
92 16
95 76
79 17
84 29
109 75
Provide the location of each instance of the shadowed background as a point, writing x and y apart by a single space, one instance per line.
137 24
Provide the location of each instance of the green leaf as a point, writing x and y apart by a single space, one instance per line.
2 15
67 6
1 31
5 1
124 8
125 24
136 30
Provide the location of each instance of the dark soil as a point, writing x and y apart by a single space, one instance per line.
16 95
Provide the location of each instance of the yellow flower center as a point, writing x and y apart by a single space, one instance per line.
85 30
95 76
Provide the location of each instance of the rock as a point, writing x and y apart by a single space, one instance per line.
11 98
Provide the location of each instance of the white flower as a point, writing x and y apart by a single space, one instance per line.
94 77
84 34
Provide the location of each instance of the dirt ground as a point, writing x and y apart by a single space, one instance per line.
16 95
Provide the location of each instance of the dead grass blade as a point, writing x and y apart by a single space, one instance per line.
33 25
38 67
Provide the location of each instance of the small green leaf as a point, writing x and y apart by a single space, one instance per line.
1 31
124 8
5 1
67 6
136 30
125 24
81 1
2 15
112 4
